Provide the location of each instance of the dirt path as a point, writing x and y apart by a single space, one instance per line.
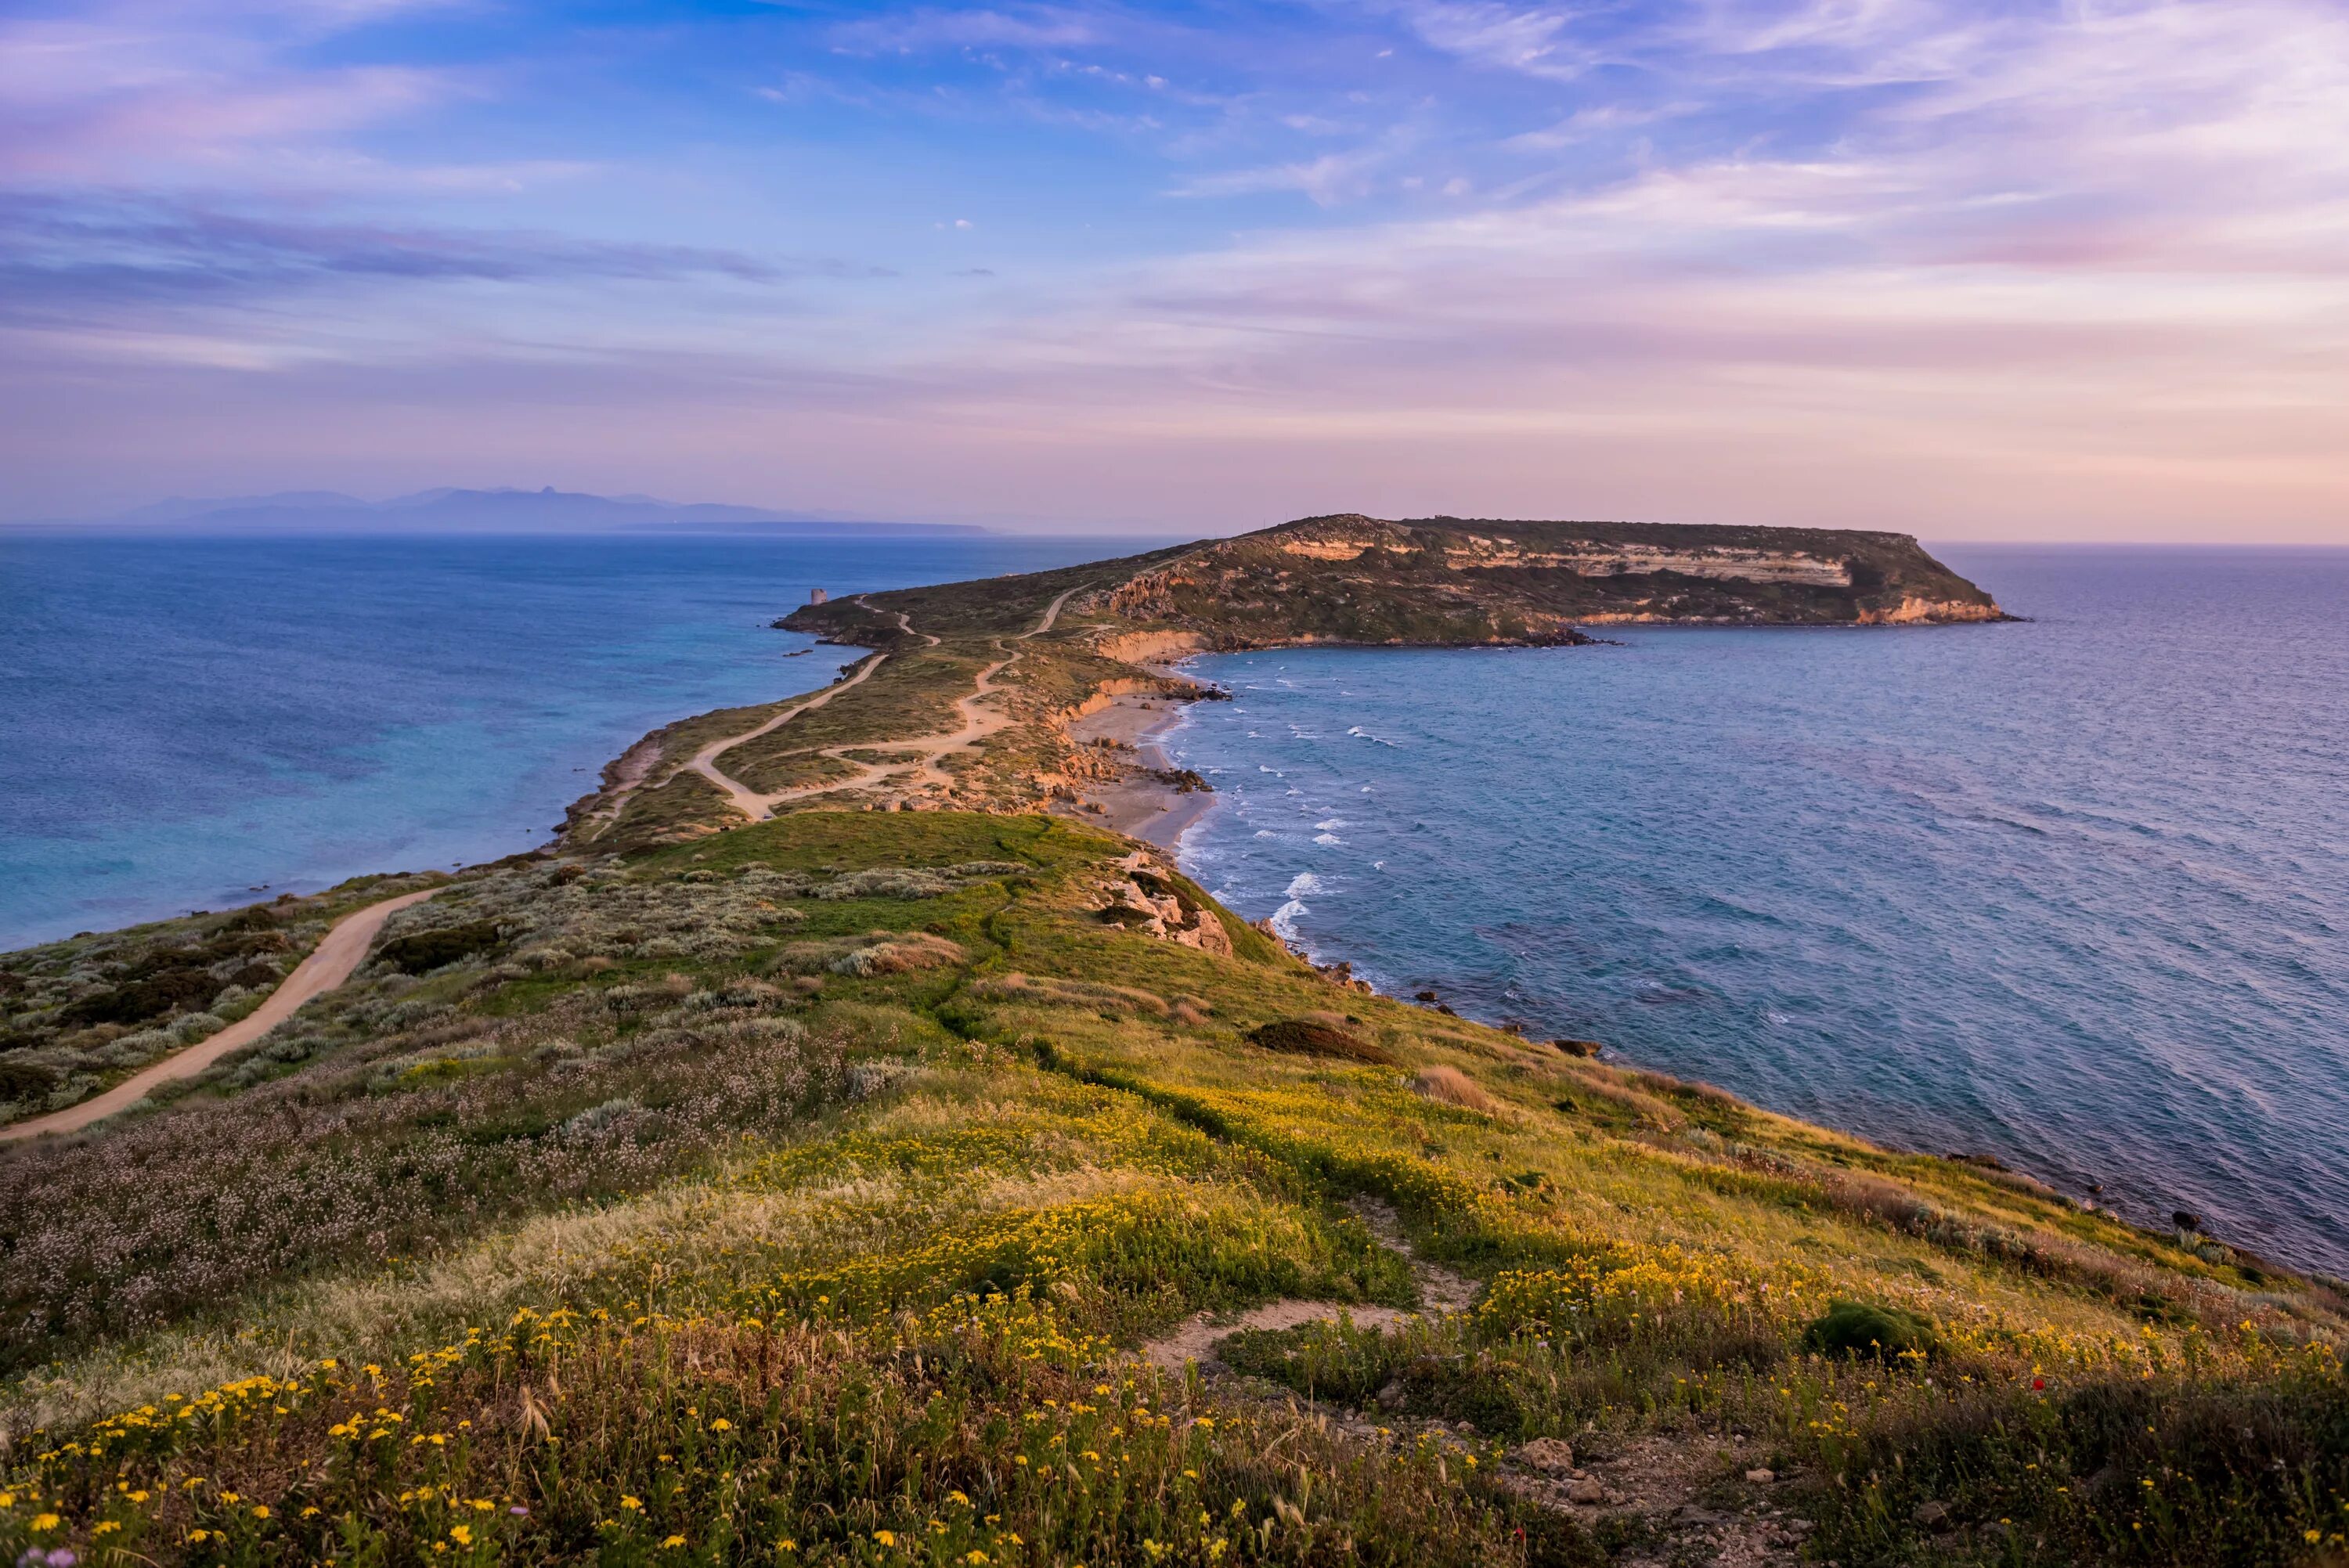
1682 1497
748 802
915 753
1197 1337
328 965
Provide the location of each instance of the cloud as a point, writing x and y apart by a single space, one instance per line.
1537 40
68 256
134 90
1034 27
1866 261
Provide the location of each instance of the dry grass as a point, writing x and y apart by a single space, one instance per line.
1450 1085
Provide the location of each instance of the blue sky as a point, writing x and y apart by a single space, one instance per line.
2026 270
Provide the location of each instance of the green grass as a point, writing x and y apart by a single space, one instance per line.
668 1200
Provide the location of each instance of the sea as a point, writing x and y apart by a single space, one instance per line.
196 723
2073 893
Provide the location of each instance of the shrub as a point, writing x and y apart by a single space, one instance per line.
914 950
423 951
1861 1329
1302 1038
143 999
23 1080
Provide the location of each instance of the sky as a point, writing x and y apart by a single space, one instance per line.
1994 271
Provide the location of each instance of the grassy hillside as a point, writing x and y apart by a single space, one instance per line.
815 1191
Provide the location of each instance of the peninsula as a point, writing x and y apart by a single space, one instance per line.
978 693
840 1147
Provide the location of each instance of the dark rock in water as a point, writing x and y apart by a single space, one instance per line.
1512 1026
1425 997
1577 1048
2095 1188
2186 1221
1445 1011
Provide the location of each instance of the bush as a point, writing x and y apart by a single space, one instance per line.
22 1080
1301 1038
143 999
423 951
1860 1329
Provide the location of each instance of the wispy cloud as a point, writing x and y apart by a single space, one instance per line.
943 27
58 254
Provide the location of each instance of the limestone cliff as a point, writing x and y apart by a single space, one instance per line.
1354 579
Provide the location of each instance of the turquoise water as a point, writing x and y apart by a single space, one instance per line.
185 722
2073 892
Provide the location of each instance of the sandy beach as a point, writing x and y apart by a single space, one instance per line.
1140 803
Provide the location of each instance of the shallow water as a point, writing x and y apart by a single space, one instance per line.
2073 892
183 722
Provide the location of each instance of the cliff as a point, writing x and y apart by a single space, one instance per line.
1450 582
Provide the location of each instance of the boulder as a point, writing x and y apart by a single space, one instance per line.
1546 1454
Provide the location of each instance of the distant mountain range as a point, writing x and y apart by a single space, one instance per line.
446 510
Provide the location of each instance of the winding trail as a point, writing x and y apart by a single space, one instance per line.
1195 1338
750 802
917 754
331 962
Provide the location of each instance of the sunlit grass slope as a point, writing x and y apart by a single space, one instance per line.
798 1194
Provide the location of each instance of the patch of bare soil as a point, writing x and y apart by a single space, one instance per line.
1678 1498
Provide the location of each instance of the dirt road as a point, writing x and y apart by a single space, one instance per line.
328 965
917 754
